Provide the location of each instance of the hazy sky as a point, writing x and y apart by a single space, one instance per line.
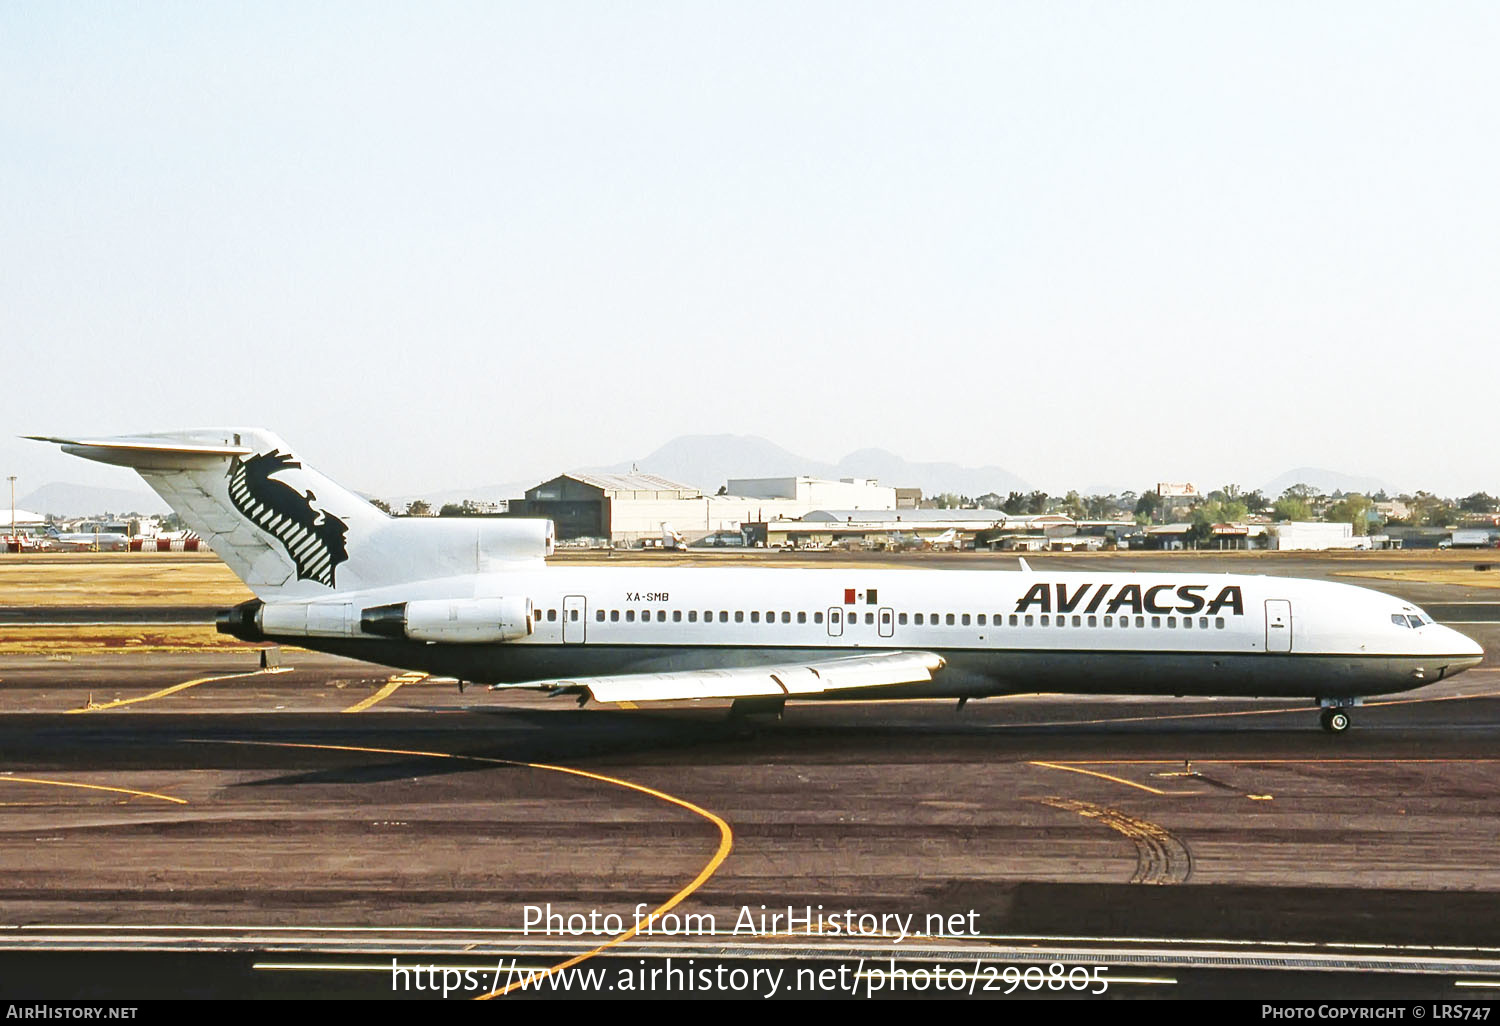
445 244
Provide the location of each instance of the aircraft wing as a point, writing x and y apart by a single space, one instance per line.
784 680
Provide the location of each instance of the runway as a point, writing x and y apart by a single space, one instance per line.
181 823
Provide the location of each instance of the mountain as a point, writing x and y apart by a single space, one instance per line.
932 478
1325 481
73 500
707 461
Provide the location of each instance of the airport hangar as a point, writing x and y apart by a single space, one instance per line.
627 509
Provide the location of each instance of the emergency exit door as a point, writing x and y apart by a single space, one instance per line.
1278 625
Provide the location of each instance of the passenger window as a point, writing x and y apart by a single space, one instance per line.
965 620
869 618
1171 621
1219 623
1187 621
661 616
1140 621
723 616
676 616
1077 620
614 616
739 616
801 617
981 620
950 620
901 619
919 619
1203 623
692 616
573 615
1013 619
770 617
786 617
1028 619
755 616
551 616
599 615
1156 621
630 616
1046 620
818 617
1109 621
1093 621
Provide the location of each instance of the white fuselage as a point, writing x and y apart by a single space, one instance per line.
1000 630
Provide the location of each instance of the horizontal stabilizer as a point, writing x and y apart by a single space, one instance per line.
785 680
150 451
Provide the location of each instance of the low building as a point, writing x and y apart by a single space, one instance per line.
1315 536
816 493
1169 537
880 529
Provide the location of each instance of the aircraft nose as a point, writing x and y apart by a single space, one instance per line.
1464 645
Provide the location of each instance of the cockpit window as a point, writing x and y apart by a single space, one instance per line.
1399 620
1412 620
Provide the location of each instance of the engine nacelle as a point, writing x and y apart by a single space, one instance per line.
456 621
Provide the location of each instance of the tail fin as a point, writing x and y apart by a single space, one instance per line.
282 527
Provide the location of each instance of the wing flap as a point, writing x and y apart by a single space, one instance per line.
813 677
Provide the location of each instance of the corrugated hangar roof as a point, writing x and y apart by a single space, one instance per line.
636 482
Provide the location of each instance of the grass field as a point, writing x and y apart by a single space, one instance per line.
88 639
51 580
1465 576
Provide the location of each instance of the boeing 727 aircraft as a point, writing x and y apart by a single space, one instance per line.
474 599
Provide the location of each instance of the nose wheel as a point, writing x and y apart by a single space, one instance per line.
1335 721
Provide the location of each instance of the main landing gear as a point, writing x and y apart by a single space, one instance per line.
1335 715
1335 721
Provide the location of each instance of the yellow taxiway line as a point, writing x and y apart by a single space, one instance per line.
393 685
1280 710
164 692
1073 768
94 787
726 838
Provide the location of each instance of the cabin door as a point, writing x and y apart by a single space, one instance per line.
1278 625
835 622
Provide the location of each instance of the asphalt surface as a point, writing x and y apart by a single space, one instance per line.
201 828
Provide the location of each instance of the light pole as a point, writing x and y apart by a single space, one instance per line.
12 480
